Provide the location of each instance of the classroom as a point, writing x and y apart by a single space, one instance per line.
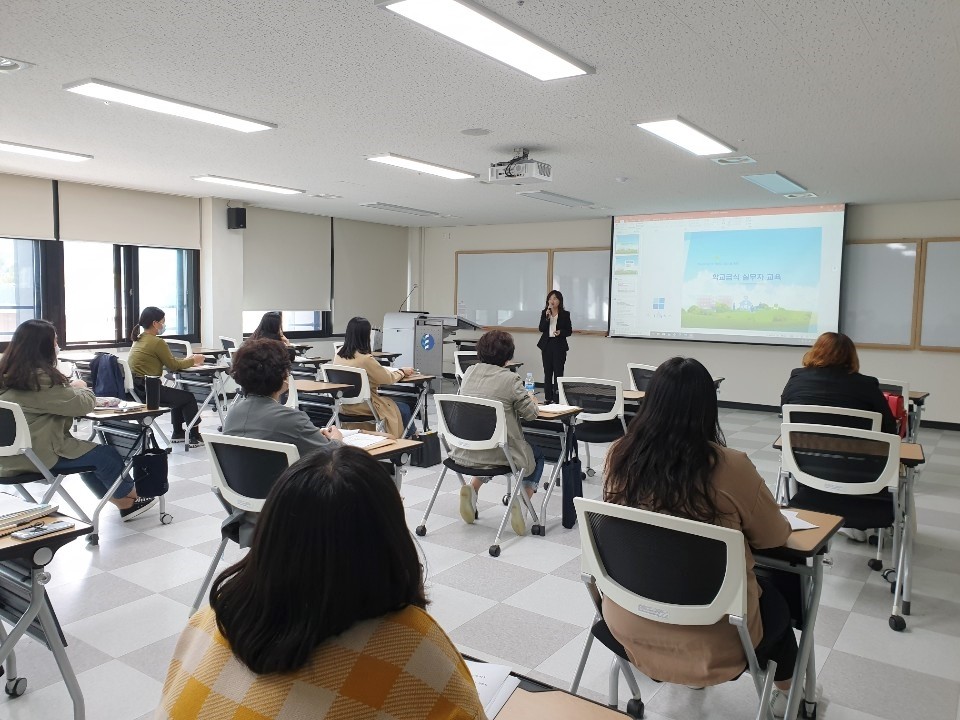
331 161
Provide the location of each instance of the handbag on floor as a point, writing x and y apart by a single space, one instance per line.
571 476
150 469
428 454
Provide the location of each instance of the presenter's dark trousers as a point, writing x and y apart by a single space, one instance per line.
554 358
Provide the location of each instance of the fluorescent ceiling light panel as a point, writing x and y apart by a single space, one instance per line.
775 183
476 27
43 152
685 135
555 198
248 185
399 208
421 166
110 92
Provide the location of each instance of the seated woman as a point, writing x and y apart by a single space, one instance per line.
271 328
338 631
673 460
490 379
356 353
29 378
262 369
149 356
831 376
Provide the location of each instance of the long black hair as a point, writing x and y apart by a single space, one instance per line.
270 327
665 461
331 549
33 347
356 338
148 316
559 295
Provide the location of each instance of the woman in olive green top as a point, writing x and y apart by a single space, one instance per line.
29 378
149 356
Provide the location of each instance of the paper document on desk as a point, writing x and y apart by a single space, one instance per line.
365 441
494 684
797 523
15 513
557 408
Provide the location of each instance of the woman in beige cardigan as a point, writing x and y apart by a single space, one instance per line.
356 353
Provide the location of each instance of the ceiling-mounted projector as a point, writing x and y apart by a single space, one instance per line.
521 170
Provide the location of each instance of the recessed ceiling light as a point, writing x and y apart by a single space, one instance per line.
734 160
157 103
421 166
555 198
249 185
476 132
328 196
476 27
9 65
399 209
685 135
775 183
43 152
794 196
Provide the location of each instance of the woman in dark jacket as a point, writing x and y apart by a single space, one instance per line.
555 328
830 376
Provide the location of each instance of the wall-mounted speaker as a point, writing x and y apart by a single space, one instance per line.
236 218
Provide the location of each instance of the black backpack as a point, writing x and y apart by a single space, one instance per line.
106 377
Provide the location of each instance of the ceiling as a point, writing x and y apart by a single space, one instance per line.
857 100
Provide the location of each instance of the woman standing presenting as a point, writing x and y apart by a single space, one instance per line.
555 328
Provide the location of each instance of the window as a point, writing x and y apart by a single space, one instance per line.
90 292
295 323
165 280
19 284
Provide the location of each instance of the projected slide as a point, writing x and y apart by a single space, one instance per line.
762 276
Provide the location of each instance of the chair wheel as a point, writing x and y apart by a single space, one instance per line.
807 713
886 576
897 623
421 530
583 476
505 500
93 539
535 530
16 687
591 472
166 518
874 564
873 540
494 551
635 708
476 514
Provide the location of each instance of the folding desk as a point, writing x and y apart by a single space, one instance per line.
25 605
218 379
560 426
422 385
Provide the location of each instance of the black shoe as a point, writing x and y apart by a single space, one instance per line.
196 440
178 436
139 507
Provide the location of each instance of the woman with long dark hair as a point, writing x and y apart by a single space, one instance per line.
356 353
674 460
149 356
325 616
271 328
555 328
50 401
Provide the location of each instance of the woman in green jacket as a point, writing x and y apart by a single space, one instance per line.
29 378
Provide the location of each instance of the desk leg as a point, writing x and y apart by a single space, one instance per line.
196 419
812 586
63 662
553 482
419 410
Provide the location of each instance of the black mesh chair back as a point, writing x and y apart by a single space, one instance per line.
641 377
228 342
8 428
177 349
659 563
248 471
861 461
345 377
468 421
592 397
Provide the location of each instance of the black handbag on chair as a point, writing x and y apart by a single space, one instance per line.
571 475
150 469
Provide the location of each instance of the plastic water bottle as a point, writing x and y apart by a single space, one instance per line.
528 384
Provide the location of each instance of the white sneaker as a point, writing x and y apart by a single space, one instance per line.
778 701
468 504
859 536
517 522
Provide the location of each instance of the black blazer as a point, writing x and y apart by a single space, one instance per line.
563 325
835 387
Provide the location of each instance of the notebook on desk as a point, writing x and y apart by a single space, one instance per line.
364 441
16 513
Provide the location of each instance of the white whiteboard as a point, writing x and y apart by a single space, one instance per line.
583 276
876 292
940 326
508 288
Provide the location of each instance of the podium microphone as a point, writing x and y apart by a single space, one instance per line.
415 286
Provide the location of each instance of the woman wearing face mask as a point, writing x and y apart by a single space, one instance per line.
555 328
149 356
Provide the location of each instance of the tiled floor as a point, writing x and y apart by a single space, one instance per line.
123 604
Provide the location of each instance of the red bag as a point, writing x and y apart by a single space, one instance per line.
899 411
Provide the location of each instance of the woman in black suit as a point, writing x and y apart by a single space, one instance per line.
555 328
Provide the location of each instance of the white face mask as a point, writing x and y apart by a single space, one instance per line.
162 329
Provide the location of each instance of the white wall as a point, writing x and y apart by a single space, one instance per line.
755 374
221 274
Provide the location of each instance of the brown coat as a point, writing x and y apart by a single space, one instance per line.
377 375
709 655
